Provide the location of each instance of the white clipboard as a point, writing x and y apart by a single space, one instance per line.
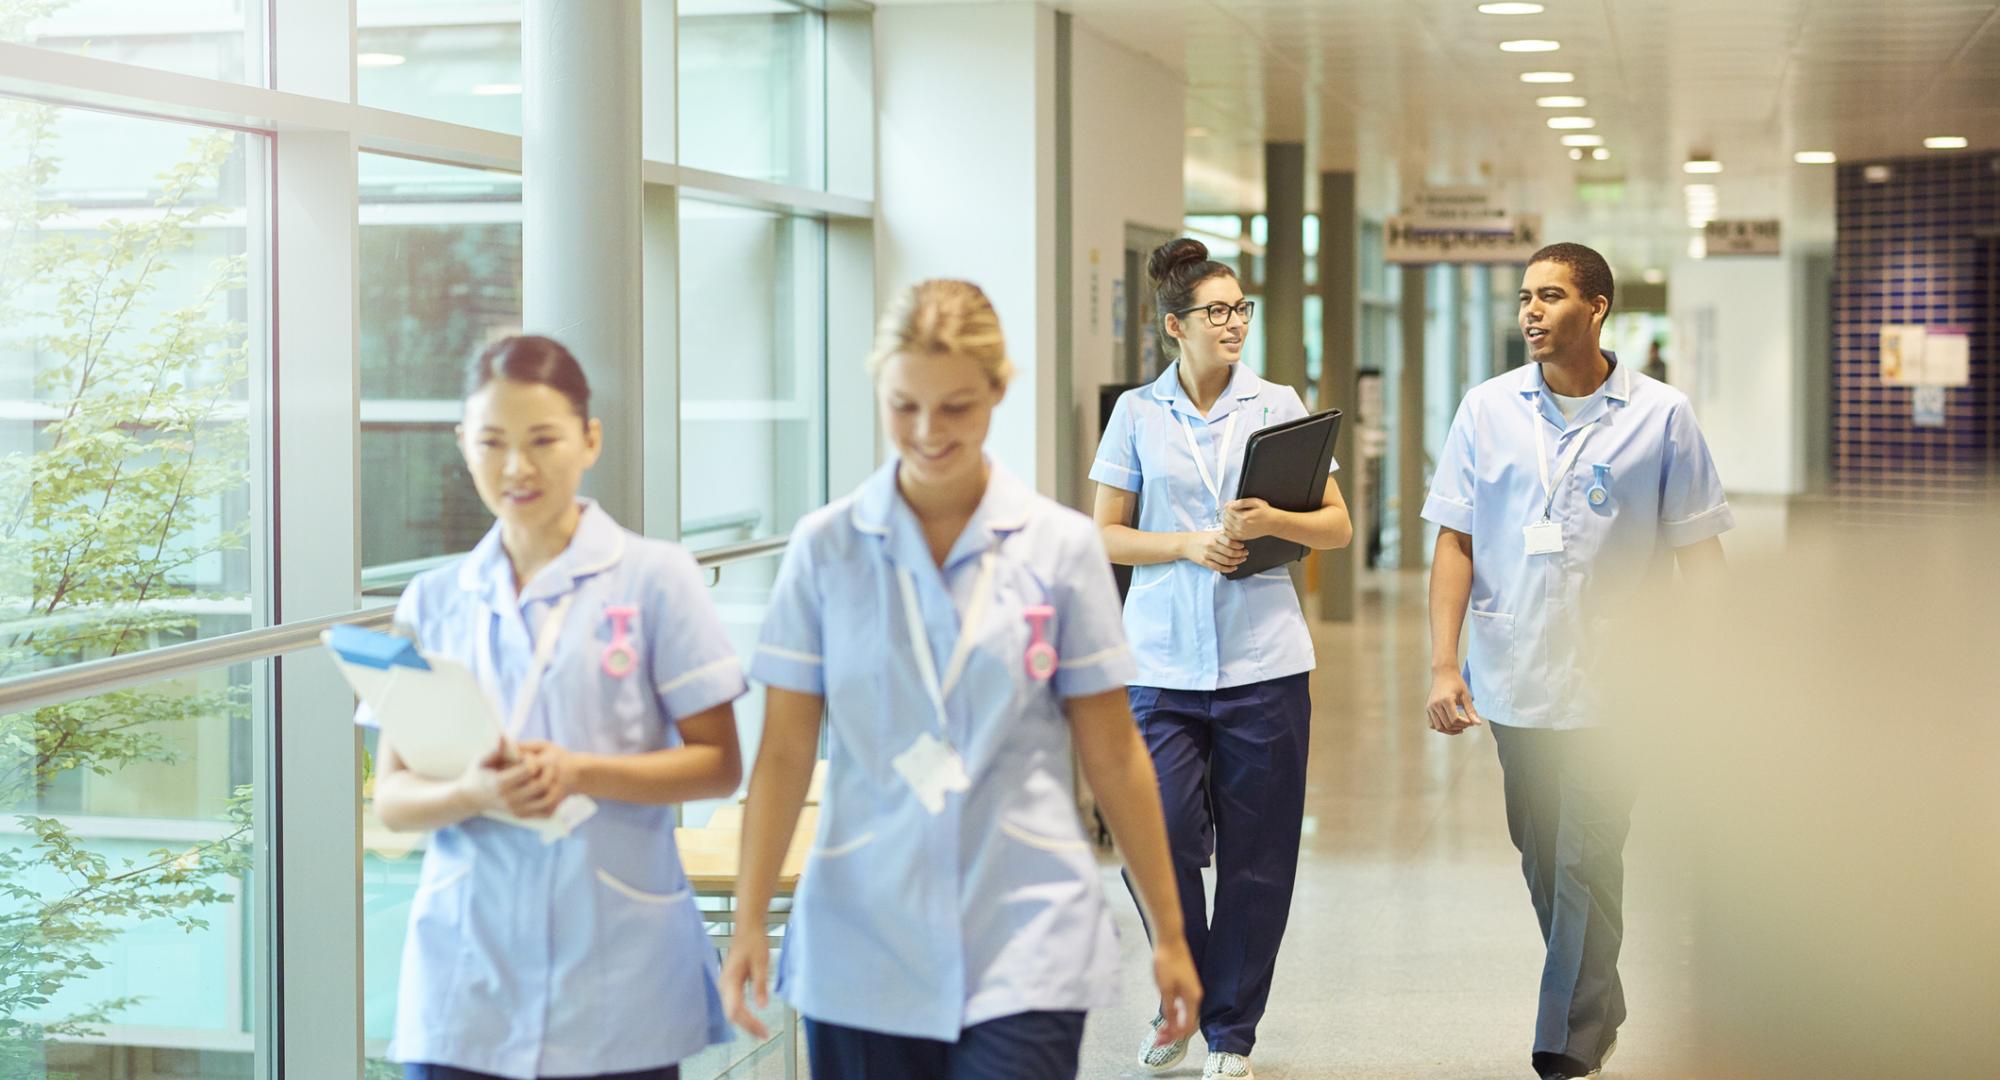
438 716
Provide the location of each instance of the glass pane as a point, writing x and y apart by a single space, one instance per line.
128 928
753 356
440 280
752 90
215 39
456 60
131 329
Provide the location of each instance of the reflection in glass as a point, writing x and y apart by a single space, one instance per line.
213 39
752 90
752 356
127 916
126 356
454 60
440 280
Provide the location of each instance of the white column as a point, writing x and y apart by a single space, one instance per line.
582 220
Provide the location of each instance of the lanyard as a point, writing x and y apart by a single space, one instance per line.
545 649
1568 460
1213 482
920 643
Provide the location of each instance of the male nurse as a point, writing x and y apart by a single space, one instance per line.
1565 489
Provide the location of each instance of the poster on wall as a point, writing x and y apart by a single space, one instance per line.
1927 406
1947 356
1902 354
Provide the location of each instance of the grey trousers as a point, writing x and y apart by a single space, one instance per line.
1569 810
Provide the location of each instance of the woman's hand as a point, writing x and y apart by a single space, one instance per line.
1250 519
748 963
1215 550
1180 989
543 778
479 785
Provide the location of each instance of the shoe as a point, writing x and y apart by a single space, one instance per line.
1222 1065
1161 1057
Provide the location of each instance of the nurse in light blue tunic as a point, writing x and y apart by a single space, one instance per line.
960 634
1221 696
585 955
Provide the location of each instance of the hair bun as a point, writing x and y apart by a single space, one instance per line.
1185 251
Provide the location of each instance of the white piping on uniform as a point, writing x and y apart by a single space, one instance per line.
787 654
674 684
1046 843
640 895
848 848
1097 658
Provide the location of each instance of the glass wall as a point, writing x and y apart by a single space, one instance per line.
753 90
455 60
214 39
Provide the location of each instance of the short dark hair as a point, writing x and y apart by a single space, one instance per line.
1178 267
531 358
1592 273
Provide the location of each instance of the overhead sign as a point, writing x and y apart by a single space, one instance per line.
1449 206
1742 237
1412 240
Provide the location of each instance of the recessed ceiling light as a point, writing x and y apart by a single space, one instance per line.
1572 123
1945 142
1815 157
1510 9
1654 275
1575 154
1876 174
496 89
1560 101
1583 140
1547 77
1530 45
1599 154
377 60
1701 165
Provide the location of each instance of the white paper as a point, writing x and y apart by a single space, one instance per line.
1947 357
1902 354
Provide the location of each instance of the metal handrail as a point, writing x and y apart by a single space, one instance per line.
92 677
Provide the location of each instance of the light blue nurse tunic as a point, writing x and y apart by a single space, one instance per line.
586 955
1191 628
919 924
1533 618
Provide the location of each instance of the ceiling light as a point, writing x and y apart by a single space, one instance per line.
1510 9
1701 165
1945 142
1654 275
1547 77
377 60
1599 154
1583 140
1875 174
496 89
1575 154
1697 247
1560 101
1571 123
1530 45
1815 157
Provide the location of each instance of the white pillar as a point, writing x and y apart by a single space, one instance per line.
582 217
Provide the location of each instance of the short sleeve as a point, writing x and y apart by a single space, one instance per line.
407 606
1091 653
1117 463
790 654
694 668
1693 507
1450 502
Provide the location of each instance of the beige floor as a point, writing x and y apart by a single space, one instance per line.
1412 950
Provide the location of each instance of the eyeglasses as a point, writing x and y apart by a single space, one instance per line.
1218 312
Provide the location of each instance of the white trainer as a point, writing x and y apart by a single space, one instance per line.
1161 1057
1222 1065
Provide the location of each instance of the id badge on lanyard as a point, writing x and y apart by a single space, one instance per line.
930 766
1545 536
574 810
1212 481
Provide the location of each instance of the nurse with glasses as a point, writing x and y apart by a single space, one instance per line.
531 956
1220 694
959 634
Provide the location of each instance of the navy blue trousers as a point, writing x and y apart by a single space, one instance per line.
1025 1046
1232 769
1569 810
447 1072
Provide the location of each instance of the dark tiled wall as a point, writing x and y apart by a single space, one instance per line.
1922 246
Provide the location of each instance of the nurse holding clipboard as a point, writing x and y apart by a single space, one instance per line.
1221 690
958 635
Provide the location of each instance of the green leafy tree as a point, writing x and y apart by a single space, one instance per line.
104 517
